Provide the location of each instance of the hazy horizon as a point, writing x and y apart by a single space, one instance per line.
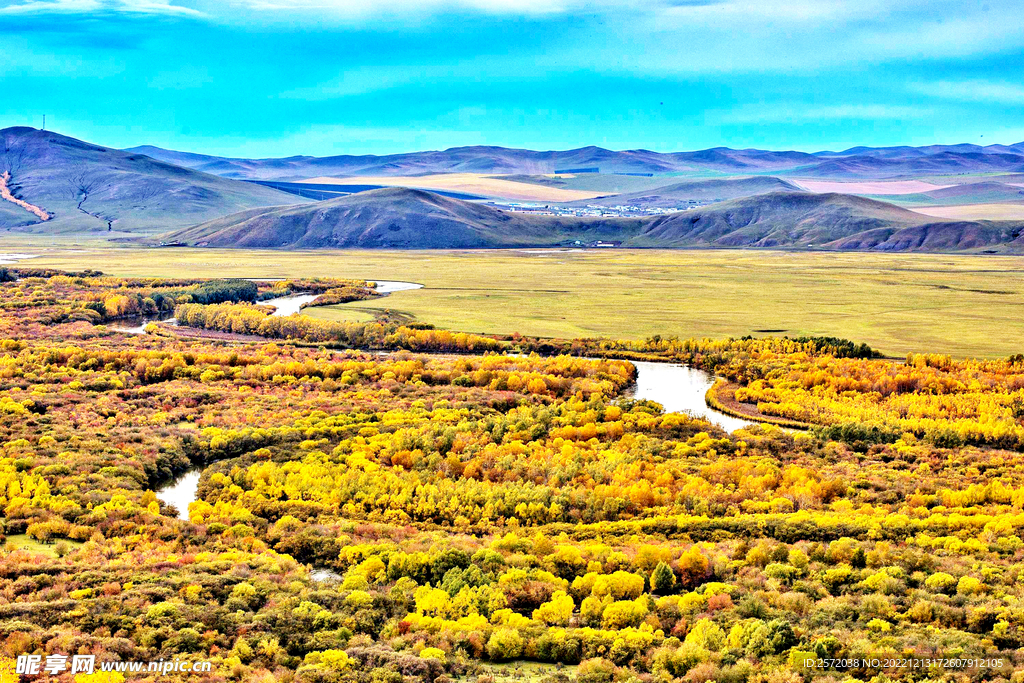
189 150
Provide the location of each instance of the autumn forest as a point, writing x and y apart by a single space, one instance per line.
390 502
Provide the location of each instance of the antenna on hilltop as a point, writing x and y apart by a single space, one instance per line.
44 121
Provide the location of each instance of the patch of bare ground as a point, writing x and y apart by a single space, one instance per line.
172 330
5 193
722 397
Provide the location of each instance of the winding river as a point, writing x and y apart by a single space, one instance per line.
681 389
8 259
183 489
389 286
283 306
289 305
138 325
677 387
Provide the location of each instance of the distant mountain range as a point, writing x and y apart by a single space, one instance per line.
86 188
53 183
857 162
414 219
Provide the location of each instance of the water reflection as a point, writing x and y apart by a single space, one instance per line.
288 305
181 491
388 286
681 389
138 325
325 575
291 304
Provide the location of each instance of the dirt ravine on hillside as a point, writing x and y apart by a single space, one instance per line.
5 193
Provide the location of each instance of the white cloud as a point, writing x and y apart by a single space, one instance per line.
652 37
144 7
973 91
406 8
776 35
784 112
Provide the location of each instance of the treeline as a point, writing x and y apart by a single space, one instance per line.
342 295
47 297
124 303
318 285
846 388
840 348
842 387
701 352
250 320
218 291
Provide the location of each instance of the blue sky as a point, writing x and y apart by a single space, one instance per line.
322 77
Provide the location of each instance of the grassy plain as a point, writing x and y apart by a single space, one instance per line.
344 313
961 305
24 542
522 672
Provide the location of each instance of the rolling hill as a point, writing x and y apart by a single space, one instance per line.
990 191
85 187
826 221
397 218
942 163
413 219
910 152
858 162
988 236
12 216
713 190
778 219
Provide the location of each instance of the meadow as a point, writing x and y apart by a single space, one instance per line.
966 306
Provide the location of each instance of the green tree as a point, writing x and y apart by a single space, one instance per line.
662 579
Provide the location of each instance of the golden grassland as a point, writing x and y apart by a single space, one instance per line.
471 183
342 313
976 212
873 187
961 305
